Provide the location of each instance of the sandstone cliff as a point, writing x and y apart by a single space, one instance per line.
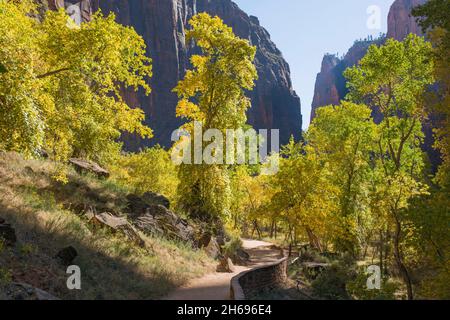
330 85
400 21
163 24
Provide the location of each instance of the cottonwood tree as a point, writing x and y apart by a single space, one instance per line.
61 91
302 195
213 94
393 78
430 214
342 137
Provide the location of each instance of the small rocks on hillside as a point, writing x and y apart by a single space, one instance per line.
118 224
23 291
83 166
226 266
67 255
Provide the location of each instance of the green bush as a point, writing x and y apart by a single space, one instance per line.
232 247
358 288
331 283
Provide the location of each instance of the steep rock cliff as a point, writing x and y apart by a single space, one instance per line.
330 85
163 24
400 21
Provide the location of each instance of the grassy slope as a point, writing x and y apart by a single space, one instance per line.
44 214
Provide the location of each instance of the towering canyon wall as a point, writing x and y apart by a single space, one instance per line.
400 22
331 86
163 24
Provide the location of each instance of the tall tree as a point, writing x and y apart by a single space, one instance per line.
213 94
343 137
393 78
434 19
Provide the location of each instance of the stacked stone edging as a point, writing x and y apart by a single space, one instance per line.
251 282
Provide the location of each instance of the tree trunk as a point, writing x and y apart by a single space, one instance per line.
381 247
256 227
313 240
272 228
399 259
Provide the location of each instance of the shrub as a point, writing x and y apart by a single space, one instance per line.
358 288
331 283
232 247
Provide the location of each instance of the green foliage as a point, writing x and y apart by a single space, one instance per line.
62 89
357 288
232 247
149 170
300 193
213 94
433 14
434 19
393 78
331 283
5 276
343 137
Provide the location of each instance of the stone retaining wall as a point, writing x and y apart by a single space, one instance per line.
252 282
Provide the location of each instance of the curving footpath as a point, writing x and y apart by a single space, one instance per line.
216 286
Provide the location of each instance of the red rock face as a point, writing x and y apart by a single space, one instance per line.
326 92
330 83
163 24
400 21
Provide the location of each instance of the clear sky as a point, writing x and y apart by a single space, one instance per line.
304 30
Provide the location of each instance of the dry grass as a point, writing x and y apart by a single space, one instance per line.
41 211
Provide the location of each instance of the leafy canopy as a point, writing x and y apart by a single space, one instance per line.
213 94
62 89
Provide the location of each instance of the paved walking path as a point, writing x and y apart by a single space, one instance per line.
216 286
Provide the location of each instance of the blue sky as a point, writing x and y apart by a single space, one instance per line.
304 30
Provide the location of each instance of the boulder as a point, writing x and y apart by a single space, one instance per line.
67 255
241 257
138 205
204 240
23 291
117 224
7 233
213 249
313 269
86 166
159 220
226 266
156 199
